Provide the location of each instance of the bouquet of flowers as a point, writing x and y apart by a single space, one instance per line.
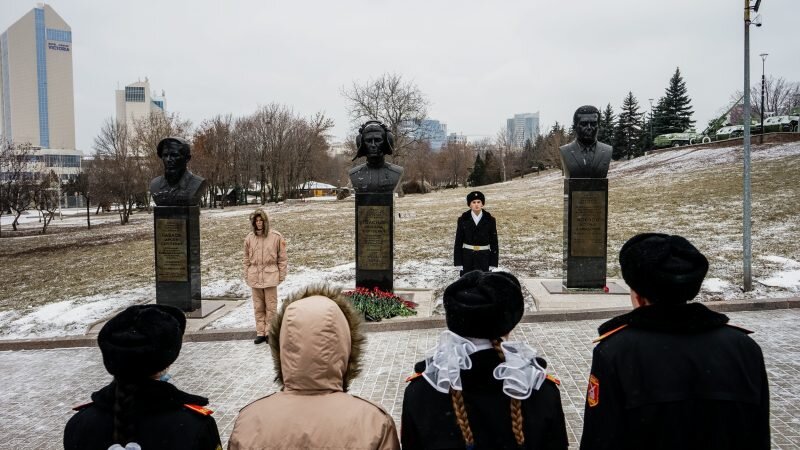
376 304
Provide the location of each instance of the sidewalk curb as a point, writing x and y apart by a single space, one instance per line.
422 323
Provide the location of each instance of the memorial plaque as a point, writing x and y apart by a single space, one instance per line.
374 238
588 224
171 245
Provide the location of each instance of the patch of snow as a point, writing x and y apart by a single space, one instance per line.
787 278
715 285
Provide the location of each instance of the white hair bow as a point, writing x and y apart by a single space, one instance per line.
128 446
521 374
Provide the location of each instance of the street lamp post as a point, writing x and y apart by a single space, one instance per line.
651 123
746 244
763 88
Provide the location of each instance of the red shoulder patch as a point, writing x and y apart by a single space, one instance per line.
593 392
609 333
743 330
83 406
553 379
203 411
414 377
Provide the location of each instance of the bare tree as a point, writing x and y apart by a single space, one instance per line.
212 156
147 132
45 197
18 168
118 169
398 103
454 161
780 96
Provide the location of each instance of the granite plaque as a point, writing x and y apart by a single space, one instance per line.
588 224
171 245
374 237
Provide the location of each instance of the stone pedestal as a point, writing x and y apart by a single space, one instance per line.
375 240
585 232
177 254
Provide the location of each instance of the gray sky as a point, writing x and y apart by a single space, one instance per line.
479 62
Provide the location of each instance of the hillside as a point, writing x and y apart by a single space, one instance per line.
57 283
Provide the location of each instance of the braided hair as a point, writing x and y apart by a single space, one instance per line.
457 398
125 411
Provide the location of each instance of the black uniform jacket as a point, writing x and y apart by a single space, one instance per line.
428 420
164 422
676 377
484 233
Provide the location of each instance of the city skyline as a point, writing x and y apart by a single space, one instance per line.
478 64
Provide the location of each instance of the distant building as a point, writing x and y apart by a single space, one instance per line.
433 132
522 127
136 102
36 93
456 138
65 163
338 148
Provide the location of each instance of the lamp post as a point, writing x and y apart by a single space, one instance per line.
746 244
652 144
763 88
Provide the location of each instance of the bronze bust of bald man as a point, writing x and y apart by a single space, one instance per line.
585 157
178 186
374 140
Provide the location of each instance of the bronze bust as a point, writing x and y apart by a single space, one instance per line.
178 186
585 157
374 140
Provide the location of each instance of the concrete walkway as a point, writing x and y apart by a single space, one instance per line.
40 386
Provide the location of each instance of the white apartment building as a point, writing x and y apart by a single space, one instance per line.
522 127
136 101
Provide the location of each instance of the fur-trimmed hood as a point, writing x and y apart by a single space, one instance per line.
316 342
263 214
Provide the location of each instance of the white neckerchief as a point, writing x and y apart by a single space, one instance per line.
477 218
520 372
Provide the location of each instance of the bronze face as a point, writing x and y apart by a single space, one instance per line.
373 140
174 160
586 128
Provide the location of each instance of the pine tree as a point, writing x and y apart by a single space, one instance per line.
492 171
478 175
605 133
628 132
674 110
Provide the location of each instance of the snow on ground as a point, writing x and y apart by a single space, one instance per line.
68 317
788 277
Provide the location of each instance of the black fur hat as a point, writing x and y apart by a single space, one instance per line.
662 268
484 305
142 340
476 195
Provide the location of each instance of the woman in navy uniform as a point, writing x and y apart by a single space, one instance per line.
476 237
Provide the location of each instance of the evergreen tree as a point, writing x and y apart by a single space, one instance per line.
478 175
605 133
628 132
493 173
675 107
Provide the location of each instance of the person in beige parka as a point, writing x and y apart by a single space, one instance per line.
316 346
265 267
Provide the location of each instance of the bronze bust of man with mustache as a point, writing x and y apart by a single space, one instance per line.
178 186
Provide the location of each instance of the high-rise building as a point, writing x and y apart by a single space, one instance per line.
456 138
522 127
136 102
36 92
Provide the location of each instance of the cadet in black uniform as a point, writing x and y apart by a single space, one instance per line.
672 374
476 247
478 391
138 346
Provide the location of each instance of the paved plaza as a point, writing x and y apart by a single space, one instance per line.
40 386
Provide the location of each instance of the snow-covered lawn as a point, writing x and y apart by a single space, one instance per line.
61 283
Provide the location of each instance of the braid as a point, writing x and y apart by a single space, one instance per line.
516 405
461 417
124 403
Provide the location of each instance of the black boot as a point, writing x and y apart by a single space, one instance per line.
260 339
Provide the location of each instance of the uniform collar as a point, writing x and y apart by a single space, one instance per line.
680 318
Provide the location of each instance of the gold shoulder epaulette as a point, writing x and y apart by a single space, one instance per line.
744 330
414 377
199 409
609 333
553 379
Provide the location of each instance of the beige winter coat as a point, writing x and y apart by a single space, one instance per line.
265 263
316 346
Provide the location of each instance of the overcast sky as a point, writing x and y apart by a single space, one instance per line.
479 62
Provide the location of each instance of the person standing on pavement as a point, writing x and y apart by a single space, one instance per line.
475 247
478 390
139 409
265 267
316 348
672 374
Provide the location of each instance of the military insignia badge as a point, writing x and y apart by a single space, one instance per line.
593 392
